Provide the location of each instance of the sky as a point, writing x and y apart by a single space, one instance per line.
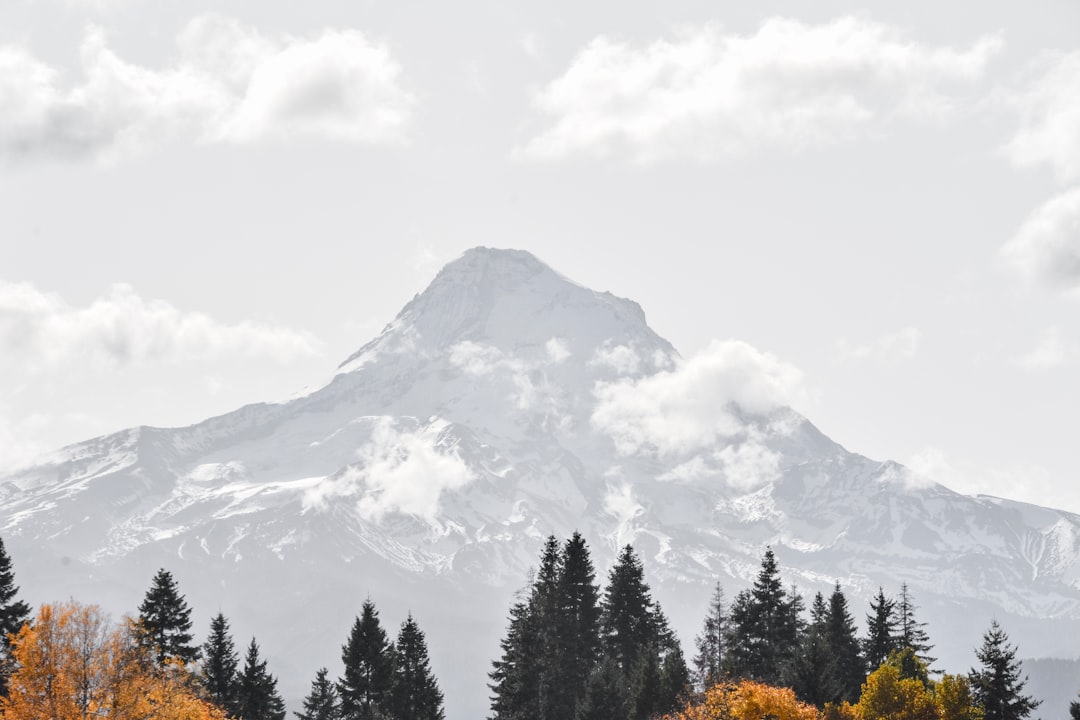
206 204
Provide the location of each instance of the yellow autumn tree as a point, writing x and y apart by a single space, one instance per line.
74 663
888 696
746 700
954 700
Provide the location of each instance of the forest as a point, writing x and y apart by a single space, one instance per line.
571 651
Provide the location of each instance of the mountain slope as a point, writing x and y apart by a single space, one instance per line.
502 404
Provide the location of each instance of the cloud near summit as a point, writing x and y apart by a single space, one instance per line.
707 93
228 83
688 408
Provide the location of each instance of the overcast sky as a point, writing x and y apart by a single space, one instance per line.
204 204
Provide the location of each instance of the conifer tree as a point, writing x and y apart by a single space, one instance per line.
848 667
258 697
627 618
811 674
765 622
415 694
1074 710
13 615
577 618
881 631
367 682
322 702
513 675
604 697
219 672
165 621
997 685
711 642
912 634
552 696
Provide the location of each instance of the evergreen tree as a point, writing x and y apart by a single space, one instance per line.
1074 710
710 642
766 623
627 618
997 685
165 621
258 698
368 680
13 615
912 634
322 702
881 631
513 675
416 694
605 696
577 620
552 696
219 671
812 674
848 667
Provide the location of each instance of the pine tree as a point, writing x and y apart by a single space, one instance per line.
415 694
710 642
551 695
812 673
881 631
513 675
368 679
322 702
912 634
848 666
219 670
765 620
605 696
13 615
258 698
997 685
165 621
627 618
577 617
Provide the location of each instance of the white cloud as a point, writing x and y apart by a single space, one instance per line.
1046 248
891 346
399 471
706 94
1049 110
1026 483
230 83
689 407
557 349
121 328
623 359
745 466
1052 351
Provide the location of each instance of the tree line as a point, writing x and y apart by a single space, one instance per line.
72 662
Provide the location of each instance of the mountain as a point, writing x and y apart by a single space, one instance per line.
502 404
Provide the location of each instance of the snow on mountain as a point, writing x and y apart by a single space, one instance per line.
502 404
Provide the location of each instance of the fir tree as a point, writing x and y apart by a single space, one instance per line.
219 670
258 698
812 673
627 618
997 685
912 634
551 695
322 702
605 696
881 631
368 679
577 616
848 667
765 622
165 621
513 675
13 615
710 642
416 694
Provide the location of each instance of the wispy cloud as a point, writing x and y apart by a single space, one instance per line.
1046 248
230 83
1048 105
1052 351
40 330
706 93
897 345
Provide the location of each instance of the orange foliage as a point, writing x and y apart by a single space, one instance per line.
747 700
73 663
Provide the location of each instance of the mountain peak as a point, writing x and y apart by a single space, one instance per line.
511 300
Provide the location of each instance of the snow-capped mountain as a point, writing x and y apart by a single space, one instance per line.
505 403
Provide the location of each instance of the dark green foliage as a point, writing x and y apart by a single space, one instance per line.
882 634
578 626
848 667
764 627
415 694
13 615
219 670
912 634
997 685
258 698
322 702
604 697
812 673
366 685
513 686
710 642
165 621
